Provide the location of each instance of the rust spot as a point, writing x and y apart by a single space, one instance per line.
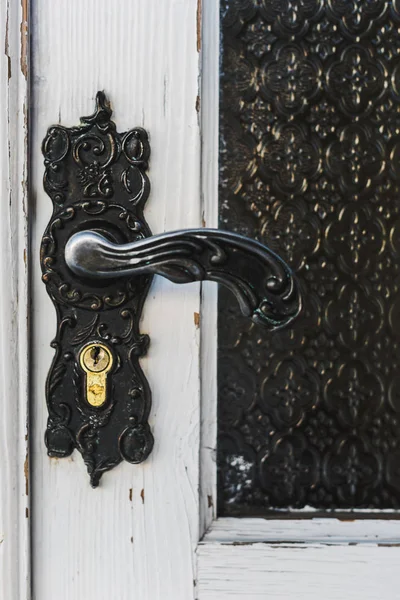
130 494
26 474
198 25
24 38
198 104
197 319
27 512
142 496
210 501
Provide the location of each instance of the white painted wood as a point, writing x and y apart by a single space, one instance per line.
134 536
324 531
14 484
311 572
208 318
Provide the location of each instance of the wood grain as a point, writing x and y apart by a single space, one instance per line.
303 572
134 536
317 530
14 459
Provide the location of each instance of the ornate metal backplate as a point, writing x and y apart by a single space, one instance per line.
95 175
309 164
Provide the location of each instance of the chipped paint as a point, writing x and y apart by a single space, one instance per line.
24 180
26 474
197 104
24 38
7 47
210 501
142 496
197 319
130 494
198 16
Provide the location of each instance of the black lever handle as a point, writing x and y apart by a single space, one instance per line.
260 280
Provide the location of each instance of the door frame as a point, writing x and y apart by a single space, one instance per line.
14 304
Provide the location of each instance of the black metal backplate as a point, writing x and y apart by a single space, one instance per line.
96 179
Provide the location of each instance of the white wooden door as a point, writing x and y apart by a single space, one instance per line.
149 531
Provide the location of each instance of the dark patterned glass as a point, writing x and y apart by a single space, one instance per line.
310 165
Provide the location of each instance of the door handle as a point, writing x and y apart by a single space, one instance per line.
98 258
259 279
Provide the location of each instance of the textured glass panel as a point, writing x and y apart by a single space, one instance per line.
310 165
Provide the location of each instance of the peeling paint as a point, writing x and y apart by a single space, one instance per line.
24 38
6 46
24 182
26 474
199 14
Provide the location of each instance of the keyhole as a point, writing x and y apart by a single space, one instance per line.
96 360
95 354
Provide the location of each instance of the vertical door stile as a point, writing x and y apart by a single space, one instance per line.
135 535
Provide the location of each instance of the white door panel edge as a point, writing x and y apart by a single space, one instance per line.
208 322
14 484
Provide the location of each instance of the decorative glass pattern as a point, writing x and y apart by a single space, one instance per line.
310 165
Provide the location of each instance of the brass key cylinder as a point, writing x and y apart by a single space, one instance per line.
96 360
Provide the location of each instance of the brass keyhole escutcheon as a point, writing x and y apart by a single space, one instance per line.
96 360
